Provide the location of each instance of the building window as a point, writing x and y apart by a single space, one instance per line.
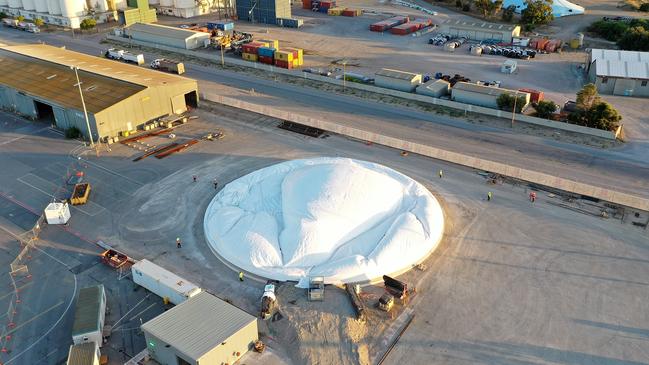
604 80
643 83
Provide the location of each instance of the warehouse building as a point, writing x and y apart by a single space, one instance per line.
619 72
167 36
397 80
191 8
37 81
201 330
66 13
481 95
480 31
84 354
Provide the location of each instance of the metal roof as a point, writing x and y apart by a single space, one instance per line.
482 89
82 354
165 31
198 325
396 74
163 276
86 314
479 25
614 55
622 69
435 85
97 65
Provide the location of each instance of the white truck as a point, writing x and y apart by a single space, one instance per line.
122 55
29 27
167 65
162 282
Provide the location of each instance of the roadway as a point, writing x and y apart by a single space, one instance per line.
621 168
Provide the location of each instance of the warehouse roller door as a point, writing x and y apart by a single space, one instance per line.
178 104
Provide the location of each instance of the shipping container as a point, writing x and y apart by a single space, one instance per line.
272 43
335 11
266 52
89 316
298 55
267 60
286 56
386 24
220 25
249 56
306 4
283 64
162 282
403 29
535 95
352 12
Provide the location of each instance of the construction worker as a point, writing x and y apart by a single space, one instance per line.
489 196
194 177
216 184
533 197
178 243
441 173
240 275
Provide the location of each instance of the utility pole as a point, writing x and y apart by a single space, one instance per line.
83 103
514 110
222 59
344 74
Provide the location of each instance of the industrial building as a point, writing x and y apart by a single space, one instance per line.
167 36
480 31
66 13
397 80
84 354
37 82
481 95
434 88
192 8
89 316
202 330
138 11
263 11
619 72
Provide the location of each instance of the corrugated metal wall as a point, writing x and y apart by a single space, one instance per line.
240 342
263 11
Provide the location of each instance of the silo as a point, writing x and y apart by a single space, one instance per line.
4 3
28 4
99 5
41 6
154 2
15 4
53 7
72 8
183 4
169 3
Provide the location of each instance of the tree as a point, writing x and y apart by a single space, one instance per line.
488 7
466 7
508 13
506 102
644 7
635 39
88 24
587 97
545 108
458 3
38 22
20 18
537 12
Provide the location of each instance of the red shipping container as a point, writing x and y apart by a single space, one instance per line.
306 4
284 64
327 4
541 43
265 59
251 47
404 29
535 95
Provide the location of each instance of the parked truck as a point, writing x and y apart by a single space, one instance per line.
125 56
10 22
167 65
169 286
25 26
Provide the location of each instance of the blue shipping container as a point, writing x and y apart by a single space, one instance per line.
323 9
220 25
266 51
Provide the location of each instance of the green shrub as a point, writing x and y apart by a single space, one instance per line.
644 7
72 133
508 13
458 3
545 108
466 7
506 102
3 15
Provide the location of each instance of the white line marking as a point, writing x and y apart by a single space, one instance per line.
23 136
115 327
144 310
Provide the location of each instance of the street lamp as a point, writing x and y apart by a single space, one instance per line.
83 103
514 110
344 72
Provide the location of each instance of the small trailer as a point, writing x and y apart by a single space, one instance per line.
114 259
80 194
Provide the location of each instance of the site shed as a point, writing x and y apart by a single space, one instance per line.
203 330
434 88
89 315
479 31
84 354
482 95
168 36
397 80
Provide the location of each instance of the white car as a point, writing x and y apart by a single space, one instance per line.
184 26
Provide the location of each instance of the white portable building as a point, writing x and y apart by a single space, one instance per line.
434 88
397 80
163 282
57 213
89 316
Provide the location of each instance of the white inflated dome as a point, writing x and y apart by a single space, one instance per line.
559 7
344 219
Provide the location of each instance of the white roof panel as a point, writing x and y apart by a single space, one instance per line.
622 69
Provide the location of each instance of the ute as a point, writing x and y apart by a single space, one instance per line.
268 301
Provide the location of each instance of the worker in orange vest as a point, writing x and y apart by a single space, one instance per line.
533 197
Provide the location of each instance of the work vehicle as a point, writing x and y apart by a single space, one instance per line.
122 55
114 258
28 27
10 22
167 65
386 302
169 286
80 194
268 301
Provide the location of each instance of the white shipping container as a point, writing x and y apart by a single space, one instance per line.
162 282
57 213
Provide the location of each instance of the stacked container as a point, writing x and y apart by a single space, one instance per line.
335 11
352 12
384 25
326 5
410 27
298 56
250 51
273 43
284 59
306 4
266 55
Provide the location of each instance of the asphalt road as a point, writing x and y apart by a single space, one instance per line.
622 168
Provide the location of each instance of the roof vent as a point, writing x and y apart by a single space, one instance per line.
51 77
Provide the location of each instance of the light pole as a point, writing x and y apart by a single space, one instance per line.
83 103
222 59
344 74
514 110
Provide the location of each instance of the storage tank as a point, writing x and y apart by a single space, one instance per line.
72 8
4 3
183 4
120 4
15 3
28 4
41 6
169 3
53 7
154 2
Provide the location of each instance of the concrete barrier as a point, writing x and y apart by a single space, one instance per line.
215 57
540 178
